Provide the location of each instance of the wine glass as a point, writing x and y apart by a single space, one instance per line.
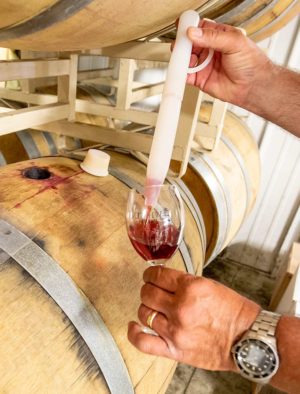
155 230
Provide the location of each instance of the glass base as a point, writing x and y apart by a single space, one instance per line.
161 262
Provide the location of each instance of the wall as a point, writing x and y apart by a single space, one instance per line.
265 238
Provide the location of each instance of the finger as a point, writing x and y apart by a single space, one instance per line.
222 41
165 278
159 324
193 60
147 343
191 78
208 20
157 299
202 76
202 55
210 24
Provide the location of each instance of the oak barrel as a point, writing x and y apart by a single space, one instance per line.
225 181
71 25
63 231
50 25
260 18
26 144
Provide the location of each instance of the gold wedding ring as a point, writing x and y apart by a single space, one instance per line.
151 318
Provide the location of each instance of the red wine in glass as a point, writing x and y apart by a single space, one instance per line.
156 230
154 240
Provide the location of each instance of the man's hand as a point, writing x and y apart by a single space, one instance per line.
236 64
240 73
198 321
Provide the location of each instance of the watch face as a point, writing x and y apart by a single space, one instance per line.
256 359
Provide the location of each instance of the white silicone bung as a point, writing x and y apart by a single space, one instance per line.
96 162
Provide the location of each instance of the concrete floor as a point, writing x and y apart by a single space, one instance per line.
248 282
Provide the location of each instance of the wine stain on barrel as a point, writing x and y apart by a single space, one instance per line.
48 180
36 173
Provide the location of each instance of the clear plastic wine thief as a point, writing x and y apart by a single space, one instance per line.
169 111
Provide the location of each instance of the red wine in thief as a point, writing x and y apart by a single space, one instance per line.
154 240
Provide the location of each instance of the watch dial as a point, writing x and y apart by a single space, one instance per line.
256 358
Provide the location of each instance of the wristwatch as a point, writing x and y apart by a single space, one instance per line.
255 354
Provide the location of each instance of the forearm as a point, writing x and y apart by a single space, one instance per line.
275 96
288 343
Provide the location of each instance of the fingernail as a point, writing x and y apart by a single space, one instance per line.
208 20
242 30
195 32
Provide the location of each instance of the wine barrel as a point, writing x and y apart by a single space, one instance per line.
274 19
71 25
225 181
26 144
59 25
260 18
70 280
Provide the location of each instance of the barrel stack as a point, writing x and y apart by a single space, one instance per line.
69 277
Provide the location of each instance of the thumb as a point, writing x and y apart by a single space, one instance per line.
222 41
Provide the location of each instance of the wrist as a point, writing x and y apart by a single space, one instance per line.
288 345
247 316
257 98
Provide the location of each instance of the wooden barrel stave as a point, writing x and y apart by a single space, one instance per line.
281 20
47 348
14 11
12 149
266 16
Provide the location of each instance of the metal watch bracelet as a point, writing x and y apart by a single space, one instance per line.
264 326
